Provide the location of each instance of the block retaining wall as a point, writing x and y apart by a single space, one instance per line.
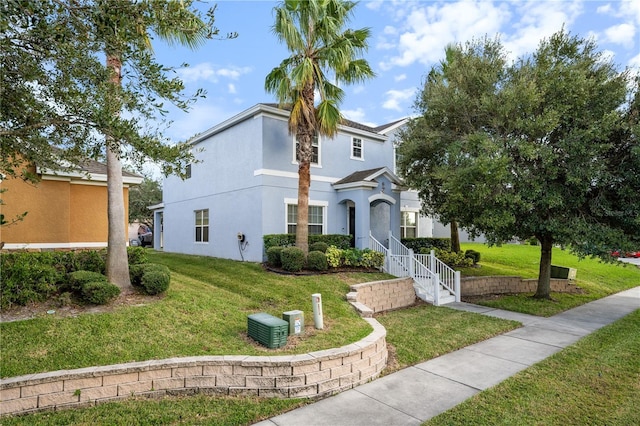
379 296
478 286
311 375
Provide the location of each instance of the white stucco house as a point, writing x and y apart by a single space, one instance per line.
246 178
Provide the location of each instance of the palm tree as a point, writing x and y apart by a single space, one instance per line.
124 28
323 56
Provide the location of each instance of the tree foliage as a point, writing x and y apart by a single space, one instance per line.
60 101
324 55
148 193
545 147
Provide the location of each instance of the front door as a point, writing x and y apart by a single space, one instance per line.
352 225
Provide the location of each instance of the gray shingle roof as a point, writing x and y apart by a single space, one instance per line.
98 168
358 176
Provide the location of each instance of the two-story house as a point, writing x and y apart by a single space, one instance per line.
244 185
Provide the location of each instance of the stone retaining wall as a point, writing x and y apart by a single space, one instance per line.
378 296
310 375
478 286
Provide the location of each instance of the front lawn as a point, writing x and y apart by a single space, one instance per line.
204 312
596 278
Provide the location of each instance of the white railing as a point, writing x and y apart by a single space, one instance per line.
449 278
430 274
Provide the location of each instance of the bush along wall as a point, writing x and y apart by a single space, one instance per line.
292 259
289 240
421 244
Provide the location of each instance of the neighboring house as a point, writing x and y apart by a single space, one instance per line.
245 185
65 210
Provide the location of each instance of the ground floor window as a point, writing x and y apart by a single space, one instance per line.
202 226
316 219
409 225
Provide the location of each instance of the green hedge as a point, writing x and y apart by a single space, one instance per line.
292 259
37 276
289 240
421 244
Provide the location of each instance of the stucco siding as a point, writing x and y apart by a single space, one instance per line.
47 207
88 213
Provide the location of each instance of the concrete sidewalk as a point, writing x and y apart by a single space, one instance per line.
418 393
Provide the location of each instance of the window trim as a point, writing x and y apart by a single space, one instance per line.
353 147
295 151
202 227
314 203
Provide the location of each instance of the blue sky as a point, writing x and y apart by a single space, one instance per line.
408 37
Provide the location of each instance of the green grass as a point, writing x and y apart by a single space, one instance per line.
596 278
594 382
424 332
191 410
204 312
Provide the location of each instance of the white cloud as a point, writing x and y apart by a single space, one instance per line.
207 71
400 77
395 97
622 34
635 62
604 9
357 115
359 89
429 27
539 20
200 118
232 88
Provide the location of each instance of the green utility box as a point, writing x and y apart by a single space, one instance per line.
268 330
295 320
563 272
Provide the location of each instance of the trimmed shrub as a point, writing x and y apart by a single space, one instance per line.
273 256
78 279
453 259
473 255
24 279
292 259
418 244
333 254
317 261
136 255
319 246
372 259
155 281
289 240
99 292
135 274
91 260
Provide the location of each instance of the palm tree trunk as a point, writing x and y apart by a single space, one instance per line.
117 262
544 278
302 227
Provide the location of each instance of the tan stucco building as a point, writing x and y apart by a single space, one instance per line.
65 210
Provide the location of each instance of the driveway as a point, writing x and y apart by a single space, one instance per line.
633 261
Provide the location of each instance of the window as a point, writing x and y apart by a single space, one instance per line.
316 219
187 172
356 148
315 150
408 225
202 226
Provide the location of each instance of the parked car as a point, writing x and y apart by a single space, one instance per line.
145 236
634 254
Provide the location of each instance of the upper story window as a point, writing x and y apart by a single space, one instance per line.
409 225
187 172
356 149
202 226
315 150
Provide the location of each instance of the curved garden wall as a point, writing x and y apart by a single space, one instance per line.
314 374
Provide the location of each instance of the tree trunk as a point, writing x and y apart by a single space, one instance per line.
544 279
302 227
117 262
455 237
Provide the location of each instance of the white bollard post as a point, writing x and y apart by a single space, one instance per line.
316 300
